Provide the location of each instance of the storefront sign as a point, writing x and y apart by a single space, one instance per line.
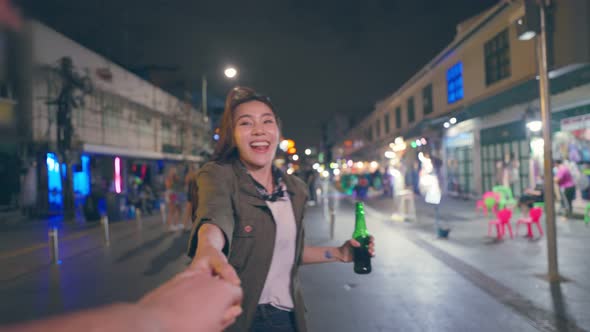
576 123
462 139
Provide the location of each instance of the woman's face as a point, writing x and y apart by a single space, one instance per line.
256 134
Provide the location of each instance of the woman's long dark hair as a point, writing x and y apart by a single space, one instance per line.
226 149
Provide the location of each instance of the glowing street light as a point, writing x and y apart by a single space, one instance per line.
230 72
307 152
284 145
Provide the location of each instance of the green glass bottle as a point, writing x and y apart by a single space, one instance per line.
362 258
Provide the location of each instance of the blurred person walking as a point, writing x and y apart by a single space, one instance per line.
567 187
190 182
172 200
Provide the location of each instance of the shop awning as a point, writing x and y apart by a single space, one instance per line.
133 153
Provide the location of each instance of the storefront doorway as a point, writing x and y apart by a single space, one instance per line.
459 163
505 157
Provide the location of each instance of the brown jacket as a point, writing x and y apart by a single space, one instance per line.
228 198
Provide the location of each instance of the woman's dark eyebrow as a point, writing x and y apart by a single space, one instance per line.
244 116
251 117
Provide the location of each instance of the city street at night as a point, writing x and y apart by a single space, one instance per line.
419 283
294 166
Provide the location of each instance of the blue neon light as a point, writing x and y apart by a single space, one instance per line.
82 178
53 180
455 83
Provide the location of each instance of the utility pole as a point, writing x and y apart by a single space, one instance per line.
544 97
66 102
204 95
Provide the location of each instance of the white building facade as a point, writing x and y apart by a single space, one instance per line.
125 129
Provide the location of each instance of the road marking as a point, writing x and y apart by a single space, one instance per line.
541 319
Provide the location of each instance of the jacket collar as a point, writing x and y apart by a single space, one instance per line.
250 194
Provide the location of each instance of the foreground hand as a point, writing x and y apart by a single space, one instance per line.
194 300
346 250
213 262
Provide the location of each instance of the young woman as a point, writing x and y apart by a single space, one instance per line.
250 215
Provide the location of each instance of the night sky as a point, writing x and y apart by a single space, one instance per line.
312 57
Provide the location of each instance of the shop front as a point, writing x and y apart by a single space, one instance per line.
505 154
572 143
459 180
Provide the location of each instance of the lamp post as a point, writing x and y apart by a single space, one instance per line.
229 72
532 24
553 268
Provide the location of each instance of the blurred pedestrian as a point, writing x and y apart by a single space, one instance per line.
567 187
251 214
190 182
531 196
173 186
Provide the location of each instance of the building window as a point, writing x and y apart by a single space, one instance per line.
427 99
398 117
411 111
370 134
378 129
455 83
497 57
166 132
113 116
386 120
145 124
5 91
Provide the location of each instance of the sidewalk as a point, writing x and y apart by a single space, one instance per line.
409 288
519 264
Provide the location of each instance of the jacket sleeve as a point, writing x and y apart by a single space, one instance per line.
214 191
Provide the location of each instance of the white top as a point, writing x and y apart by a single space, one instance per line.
277 288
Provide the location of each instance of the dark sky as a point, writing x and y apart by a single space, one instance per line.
312 57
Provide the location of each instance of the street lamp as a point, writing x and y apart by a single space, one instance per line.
229 72
534 24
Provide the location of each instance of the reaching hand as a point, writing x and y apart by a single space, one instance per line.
213 262
194 300
346 250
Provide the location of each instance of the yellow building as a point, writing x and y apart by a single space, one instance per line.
470 104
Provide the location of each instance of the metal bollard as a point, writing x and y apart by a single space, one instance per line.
138 217
104 220
163 212
332 222
53 246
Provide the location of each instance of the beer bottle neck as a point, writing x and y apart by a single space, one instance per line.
360 227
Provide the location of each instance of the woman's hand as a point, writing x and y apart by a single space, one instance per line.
345 251
212 261
209 257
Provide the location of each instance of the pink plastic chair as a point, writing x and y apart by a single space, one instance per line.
481 204
534 217
502 222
